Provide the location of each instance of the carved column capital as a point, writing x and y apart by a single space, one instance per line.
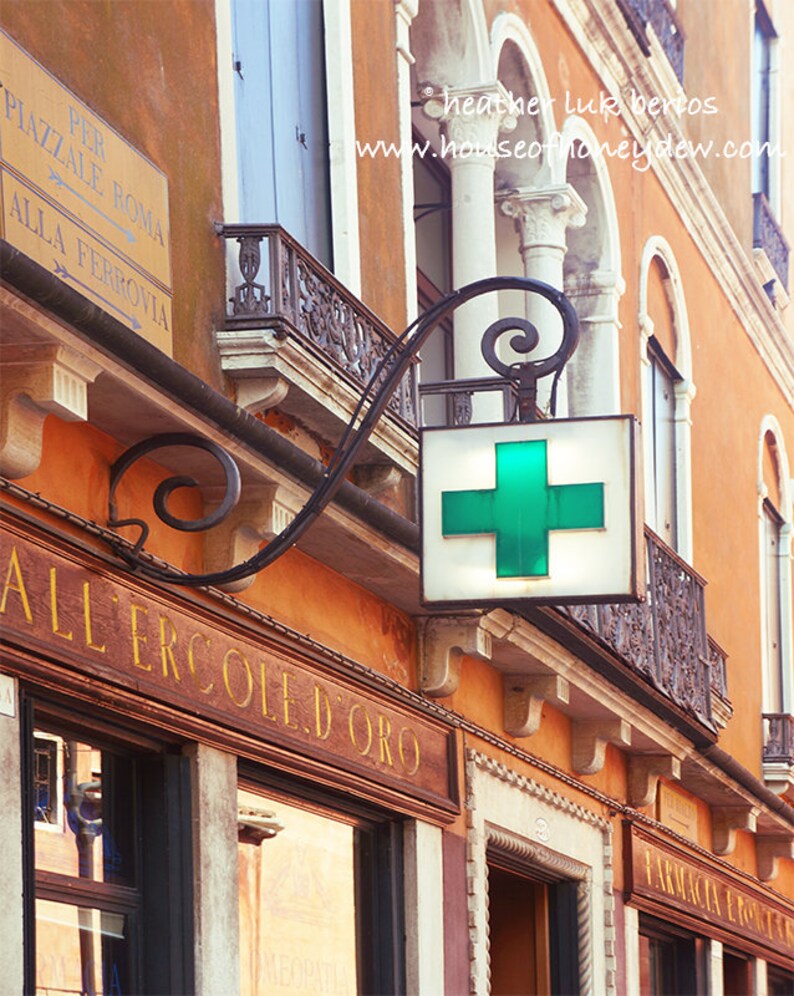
38 381
443 643
542 216
470 119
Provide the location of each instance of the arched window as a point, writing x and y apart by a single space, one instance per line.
667 393
777 648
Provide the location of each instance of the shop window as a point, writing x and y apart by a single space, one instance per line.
107 840
532 933
779 982
662 499
319 900
433 224
737 979
671 961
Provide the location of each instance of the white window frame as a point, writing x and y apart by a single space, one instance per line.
685 389
771 426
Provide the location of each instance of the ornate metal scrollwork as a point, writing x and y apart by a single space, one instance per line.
385 370
166 488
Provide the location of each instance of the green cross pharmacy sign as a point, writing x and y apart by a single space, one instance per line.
545 511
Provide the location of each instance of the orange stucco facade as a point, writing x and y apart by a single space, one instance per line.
151 72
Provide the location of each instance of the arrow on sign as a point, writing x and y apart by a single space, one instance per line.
61 271
59 180
522 509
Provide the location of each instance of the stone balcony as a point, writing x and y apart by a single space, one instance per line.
778 755
769 240
296 338
660 17
664 639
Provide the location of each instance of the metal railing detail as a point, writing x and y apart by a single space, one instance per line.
767 235
296 296
661 16
664 638
778 738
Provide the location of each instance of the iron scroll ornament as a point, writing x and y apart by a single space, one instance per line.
522 377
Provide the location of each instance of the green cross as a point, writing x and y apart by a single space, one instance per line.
522 509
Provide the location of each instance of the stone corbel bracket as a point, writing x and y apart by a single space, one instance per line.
524 695
590 739
645 770
725 821
443 643
266 511
37 382
249 356
768 851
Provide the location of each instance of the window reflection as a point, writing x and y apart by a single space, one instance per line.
83 841
297 905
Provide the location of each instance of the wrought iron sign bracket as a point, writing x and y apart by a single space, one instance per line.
518 381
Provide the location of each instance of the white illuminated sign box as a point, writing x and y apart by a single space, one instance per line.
545 511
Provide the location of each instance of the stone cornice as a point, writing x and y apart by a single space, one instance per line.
607 42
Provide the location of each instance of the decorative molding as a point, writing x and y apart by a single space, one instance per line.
768 851
645 770
443 643
38 381
607 43
524 696
269 369
474 116
590 739
558 866
725 821
497 821
542 216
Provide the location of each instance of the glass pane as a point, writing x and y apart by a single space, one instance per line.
83 803
80 950
297 905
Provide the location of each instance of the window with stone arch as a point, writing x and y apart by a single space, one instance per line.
774 529
667 392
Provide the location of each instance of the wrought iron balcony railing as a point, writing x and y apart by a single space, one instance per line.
778 738
296 296
664 638
659 14
768 236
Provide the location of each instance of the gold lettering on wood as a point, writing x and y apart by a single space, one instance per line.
137 637
89 636
167 645
19 587
322 722
191 663
57 631
234 654
351 725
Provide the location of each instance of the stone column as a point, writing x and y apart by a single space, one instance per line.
424 909
213 777
541 218
594 371
471 119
